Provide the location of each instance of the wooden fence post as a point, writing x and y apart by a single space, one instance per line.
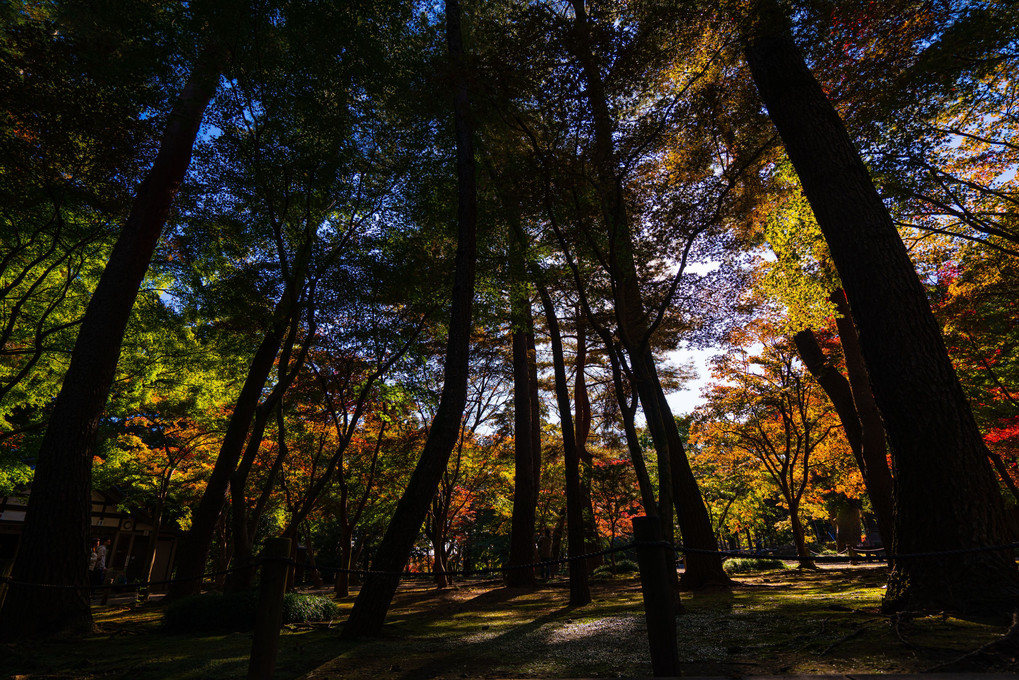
269 615
654 560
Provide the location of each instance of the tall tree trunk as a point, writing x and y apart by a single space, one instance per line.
582 427
243 540
53 547
946 496
702 568
628 410
244 527
525 493
369 612
222 559
837 387
350 520
580 593
433 532
532 369
440 563
316 575
152 547
342 584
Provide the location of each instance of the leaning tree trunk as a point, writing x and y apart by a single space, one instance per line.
874 439
703 563
242 525
53 546
628 410
376 594
839 392
194 548
946 496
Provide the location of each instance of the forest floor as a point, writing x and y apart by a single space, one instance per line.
786 622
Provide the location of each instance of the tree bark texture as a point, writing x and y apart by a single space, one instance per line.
372 603
946 496
53 546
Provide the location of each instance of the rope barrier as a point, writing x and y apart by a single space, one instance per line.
681 549
7 580
886 556
480 572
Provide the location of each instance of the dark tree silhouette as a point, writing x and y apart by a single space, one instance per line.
946 496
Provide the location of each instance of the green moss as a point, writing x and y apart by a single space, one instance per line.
783 622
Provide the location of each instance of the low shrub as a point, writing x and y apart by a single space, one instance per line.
300 608
626 566
742 565
235 612
623 566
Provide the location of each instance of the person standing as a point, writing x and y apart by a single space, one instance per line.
99 570
93 560
545 554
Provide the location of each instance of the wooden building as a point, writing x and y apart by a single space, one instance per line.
128 531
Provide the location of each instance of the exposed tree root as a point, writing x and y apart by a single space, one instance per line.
1004 650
